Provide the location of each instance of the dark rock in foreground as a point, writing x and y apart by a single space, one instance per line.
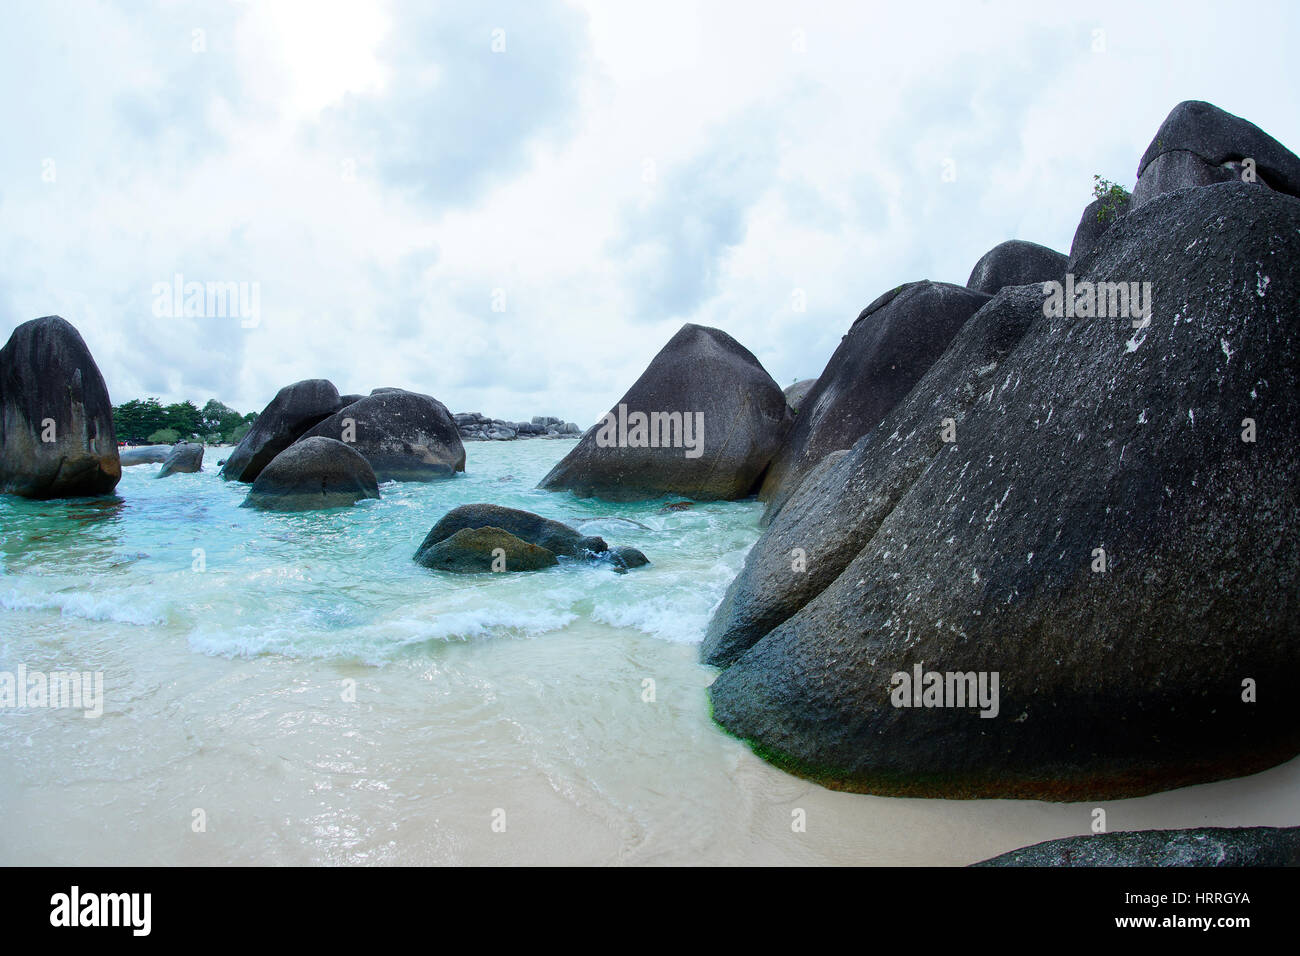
471 550
311 474
1199 145
1016 262
56 420
1204 846
889 347
1099 535
294 409
554 536
184 458
702 381
406 436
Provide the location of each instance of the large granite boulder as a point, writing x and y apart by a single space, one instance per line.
312 474
554 536
1016 262
184 458
702 421
143 455
406 436
56 420
472 550
1199 144
841 504
1203 846
1111 535
889 347
294 410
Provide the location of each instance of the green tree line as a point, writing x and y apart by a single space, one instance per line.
149 420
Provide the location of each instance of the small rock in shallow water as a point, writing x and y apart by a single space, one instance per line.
313 473
185 458
484 549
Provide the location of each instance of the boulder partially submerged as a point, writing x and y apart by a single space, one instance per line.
702 422
56 420
406 436
554 536
143 455
313 474
471 550
484 537
184 458
294 410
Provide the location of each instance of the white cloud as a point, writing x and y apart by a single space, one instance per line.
388 179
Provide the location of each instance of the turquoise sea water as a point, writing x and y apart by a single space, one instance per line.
313 696
340 584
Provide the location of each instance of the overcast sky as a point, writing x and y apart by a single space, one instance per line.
512 206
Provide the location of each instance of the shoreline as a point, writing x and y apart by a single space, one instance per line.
374 786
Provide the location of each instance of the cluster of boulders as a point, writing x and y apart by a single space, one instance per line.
1090 511
486 537
313 448
475 426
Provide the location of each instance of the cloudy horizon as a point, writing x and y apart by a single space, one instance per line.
512 207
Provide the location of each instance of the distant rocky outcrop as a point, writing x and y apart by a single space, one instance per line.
294 410
475 426
184 458
486 537
1016 262
1203 846
406 436
1199 144
56 420
703 421
891 344
311 474
1109 532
